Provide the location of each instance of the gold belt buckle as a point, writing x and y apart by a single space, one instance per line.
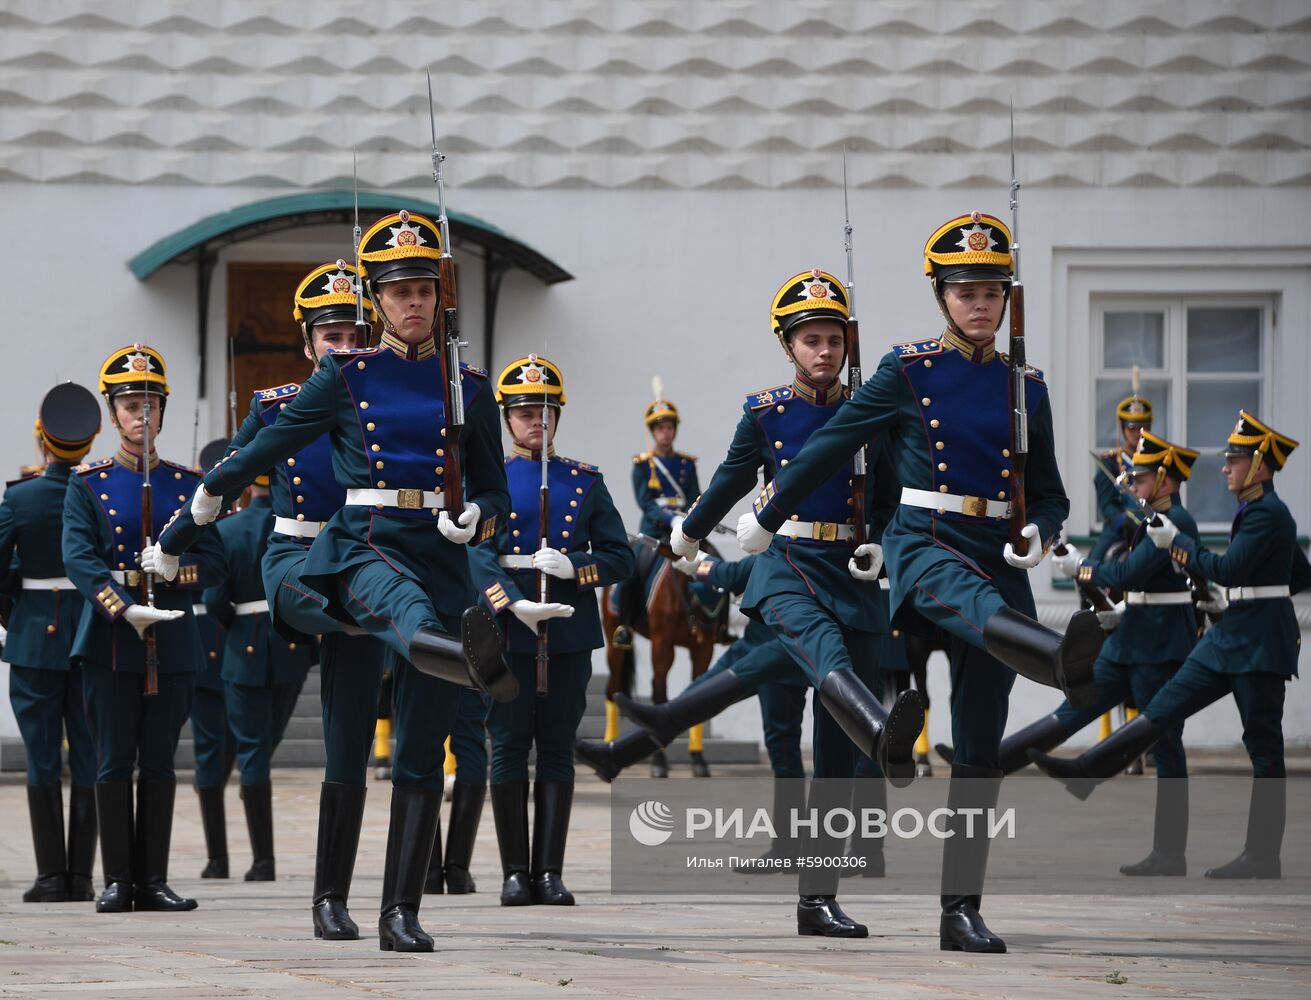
824 531
409 499
974 506
132 578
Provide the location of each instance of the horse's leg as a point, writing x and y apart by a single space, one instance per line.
700 651
614 659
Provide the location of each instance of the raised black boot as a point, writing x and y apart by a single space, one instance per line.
214 821
81 843
1169 835
886 736
789 801
461 832
1266 816
341 811
258 803
552 803
695 704
1105 760
1034 651
510 813
609 759
818 912
45 809
154 834
415 813
475 660
434 884
965 861
114 809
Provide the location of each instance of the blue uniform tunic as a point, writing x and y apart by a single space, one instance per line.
101 539
940 406
45 688
1251 652
664 485
585 526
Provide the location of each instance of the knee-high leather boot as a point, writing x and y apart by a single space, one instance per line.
214 821
415 813
696 704
1105 760
341 811
81 843
1034 651
114 808
552 803
45 809
965 860
1266 817
510 813
154 834
466 812
609 759
258 803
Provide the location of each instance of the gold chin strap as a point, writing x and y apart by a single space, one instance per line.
1258 457
1160 480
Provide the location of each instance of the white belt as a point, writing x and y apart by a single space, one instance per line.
885 583
397 499
47 583
945 503
199 609
1158 597
300 529
516 562
821 531
669 501
129 578
1256 593
251 608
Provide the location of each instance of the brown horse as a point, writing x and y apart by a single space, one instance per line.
674 617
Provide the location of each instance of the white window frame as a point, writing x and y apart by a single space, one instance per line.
1085 281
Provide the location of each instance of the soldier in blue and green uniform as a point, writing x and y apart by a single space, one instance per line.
808 587
1149 636
1251 652
45 687
1133 415
263 671
211 736
105 557
941 406
393 560
584 548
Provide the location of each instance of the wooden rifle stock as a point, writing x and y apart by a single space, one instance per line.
1019 422
860 464
1095 596
453 480
150 683
543 582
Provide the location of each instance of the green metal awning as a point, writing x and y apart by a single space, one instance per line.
333 207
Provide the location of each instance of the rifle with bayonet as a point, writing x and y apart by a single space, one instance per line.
544 529
450 334
361 327
860 463
150 682
1018 392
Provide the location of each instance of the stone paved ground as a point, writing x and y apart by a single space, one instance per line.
254 940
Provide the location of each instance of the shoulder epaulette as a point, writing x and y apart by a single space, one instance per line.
96 466
180 467
768 397
577 464
640 458
473 370
278 392
686 457
1029 370
25 477
917 348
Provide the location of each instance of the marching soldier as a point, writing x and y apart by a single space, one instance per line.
808 587
1151 636
1251 652
545 577
1133 415
263 672
45 688
139 659
377 563
942 404
211 736
664 485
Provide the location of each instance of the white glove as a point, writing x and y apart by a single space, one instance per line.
204 508
875 553
155 560
1068 563
1110 620
4 634
532 612
553 562
462 529
1034 555
1216 603
142 616
688 566
1162 535
682 545
751 536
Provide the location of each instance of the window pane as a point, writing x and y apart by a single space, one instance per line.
1133 338
1224 340
1111 390
1212 412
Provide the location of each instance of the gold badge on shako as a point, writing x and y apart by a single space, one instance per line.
816 289
977 238
339 283
405 235
137 363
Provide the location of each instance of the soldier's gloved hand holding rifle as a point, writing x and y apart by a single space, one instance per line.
205 508
1068 561
1033 554
461 529
871 551
1110 620
156 560
553 562
1162 533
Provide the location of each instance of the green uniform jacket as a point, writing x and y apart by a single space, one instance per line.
102 534
584 525
1148 633
43 623
1258 636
